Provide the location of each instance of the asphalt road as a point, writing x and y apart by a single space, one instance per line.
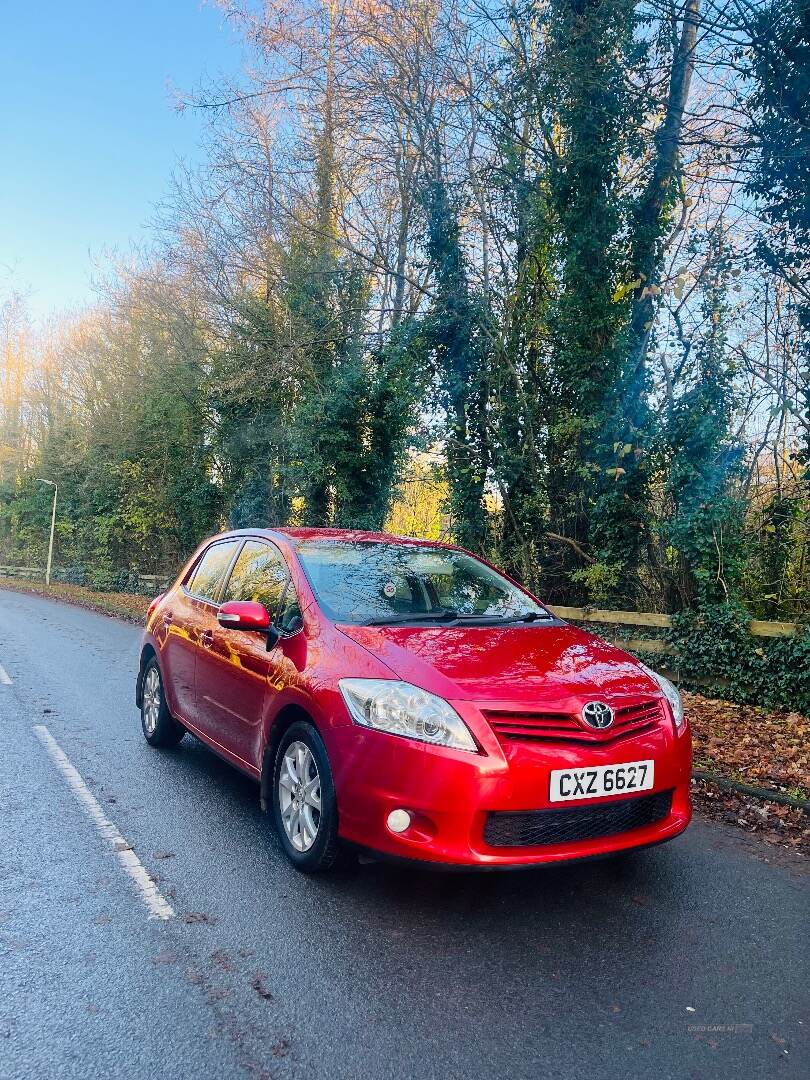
689 960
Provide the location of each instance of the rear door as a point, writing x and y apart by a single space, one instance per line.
185 619
234 670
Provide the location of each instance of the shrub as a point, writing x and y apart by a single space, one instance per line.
714 644
71 575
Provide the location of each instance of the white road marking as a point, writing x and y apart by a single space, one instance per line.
5 678
159 907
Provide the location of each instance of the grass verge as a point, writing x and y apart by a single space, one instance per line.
128 606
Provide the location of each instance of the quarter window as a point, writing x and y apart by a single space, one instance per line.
207 576
290 619
260 574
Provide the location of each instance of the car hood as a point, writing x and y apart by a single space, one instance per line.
549 666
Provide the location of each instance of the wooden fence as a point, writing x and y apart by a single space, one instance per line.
656 646
147 582
757 627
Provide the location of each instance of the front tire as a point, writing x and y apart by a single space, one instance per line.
304 803
159 726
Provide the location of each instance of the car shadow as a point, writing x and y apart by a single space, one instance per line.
589 889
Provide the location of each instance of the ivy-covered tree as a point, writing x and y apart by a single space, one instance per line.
252 389
454 334
705 533
592 54
521 396
559 409
780 179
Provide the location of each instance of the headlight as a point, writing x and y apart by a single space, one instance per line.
401 709
670 693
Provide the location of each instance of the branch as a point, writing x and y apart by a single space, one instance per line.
571 543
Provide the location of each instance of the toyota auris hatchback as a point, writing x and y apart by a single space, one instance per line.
406 698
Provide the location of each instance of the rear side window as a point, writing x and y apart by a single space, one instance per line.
289 619
207 576
260 574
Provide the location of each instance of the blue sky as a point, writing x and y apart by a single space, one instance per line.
89 135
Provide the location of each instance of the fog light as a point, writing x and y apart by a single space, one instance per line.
399 821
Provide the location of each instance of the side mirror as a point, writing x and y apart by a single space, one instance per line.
154 604
244 615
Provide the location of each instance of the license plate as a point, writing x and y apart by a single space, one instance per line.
601 781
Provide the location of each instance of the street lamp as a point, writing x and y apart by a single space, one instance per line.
52 484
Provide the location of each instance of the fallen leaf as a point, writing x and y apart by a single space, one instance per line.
257 982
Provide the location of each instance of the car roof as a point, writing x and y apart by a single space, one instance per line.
305 534
301 535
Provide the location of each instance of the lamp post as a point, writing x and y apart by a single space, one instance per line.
52 484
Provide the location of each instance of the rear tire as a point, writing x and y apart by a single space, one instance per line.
159 726
304 803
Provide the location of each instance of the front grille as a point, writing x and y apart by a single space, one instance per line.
636 716
565 727
510 725
533 828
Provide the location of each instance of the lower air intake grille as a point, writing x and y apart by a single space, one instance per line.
531 828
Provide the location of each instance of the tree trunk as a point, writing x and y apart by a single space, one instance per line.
648 246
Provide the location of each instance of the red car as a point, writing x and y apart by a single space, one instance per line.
405 697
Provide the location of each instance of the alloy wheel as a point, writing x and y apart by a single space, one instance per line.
299 796
151 700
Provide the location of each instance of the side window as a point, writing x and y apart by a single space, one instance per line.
259 573
207 575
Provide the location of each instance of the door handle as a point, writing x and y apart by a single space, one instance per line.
207 639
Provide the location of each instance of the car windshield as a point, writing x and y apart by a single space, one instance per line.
377 582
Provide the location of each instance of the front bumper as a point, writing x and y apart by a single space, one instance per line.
453 797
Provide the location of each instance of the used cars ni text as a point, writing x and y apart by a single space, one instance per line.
407 698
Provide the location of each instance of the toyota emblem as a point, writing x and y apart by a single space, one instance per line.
597 714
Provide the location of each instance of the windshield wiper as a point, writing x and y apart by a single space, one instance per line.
451 616
492 619
441 615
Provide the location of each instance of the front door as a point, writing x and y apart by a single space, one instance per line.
235 671
184 619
